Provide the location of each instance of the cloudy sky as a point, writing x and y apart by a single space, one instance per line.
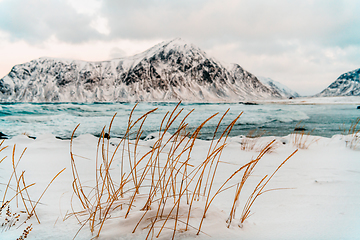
303 44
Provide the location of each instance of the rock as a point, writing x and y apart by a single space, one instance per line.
62 138
107 136
3 136
248 103
298 129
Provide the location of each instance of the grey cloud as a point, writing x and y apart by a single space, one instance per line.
275 37
151 19
116 53
209 22
35 21
325 22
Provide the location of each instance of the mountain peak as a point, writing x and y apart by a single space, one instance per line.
179 45
176 42
347 84
170 71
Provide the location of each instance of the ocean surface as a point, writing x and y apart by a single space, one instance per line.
60 119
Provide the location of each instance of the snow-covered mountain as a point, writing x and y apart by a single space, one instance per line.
169 71
348 84
279 87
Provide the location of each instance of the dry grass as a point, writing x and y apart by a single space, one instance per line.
16 192
160 187
2 148
259 190
354 135
301 139
250 142
248 171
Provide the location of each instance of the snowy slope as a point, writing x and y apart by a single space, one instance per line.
347 84
169 71
276 86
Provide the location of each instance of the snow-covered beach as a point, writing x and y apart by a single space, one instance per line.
316 193
189 120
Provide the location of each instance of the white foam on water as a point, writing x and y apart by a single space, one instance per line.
61 119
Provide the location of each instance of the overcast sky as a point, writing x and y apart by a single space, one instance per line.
303 44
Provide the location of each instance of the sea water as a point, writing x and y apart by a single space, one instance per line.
60 119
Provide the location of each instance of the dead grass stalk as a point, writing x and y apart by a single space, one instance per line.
162 179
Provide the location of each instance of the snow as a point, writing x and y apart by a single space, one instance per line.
315 100
154 75
320 200
284 90
346 85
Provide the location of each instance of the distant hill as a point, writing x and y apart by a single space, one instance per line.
284 91
170 71
347 84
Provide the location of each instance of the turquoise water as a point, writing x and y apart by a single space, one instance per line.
60 119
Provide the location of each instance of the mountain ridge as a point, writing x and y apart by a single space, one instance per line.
347 84
169 71
285 91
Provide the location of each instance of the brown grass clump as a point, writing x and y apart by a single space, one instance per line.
252 142
354 133
259 190
161 186
249 142
248 171
25 233
301 139
17 188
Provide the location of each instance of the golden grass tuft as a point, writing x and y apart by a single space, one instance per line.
250 142
160 186
301 139
259 190
248 171
354 135
16 192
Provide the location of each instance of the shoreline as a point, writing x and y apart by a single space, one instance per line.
336 100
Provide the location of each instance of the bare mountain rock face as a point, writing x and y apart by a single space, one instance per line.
169 71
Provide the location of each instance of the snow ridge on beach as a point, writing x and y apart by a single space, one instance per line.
170 71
